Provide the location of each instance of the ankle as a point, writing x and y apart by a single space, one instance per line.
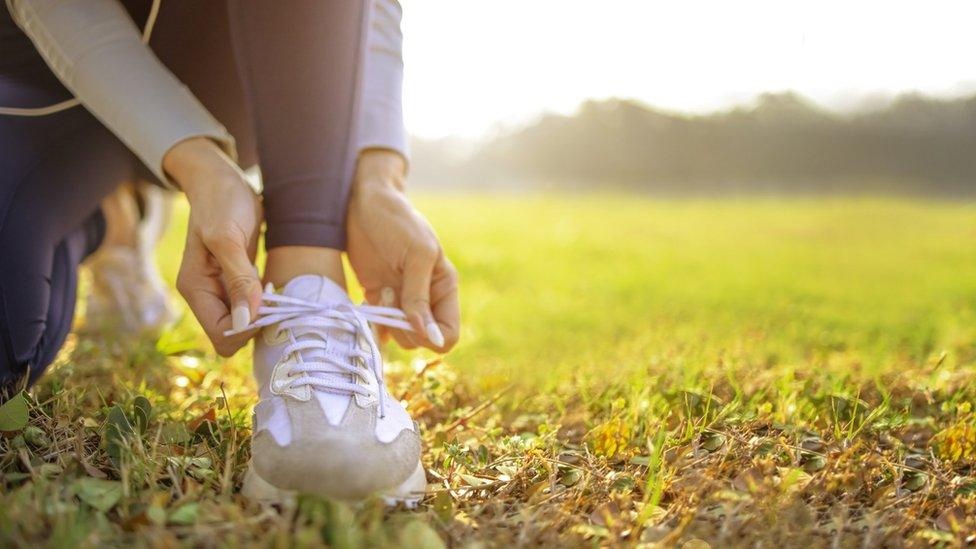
286 262
121 218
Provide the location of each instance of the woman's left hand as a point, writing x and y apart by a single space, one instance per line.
396 254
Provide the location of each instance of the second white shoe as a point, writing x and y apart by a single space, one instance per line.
325 423
128 294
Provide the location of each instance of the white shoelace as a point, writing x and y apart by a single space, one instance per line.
307 318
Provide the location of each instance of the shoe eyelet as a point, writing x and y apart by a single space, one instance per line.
277 337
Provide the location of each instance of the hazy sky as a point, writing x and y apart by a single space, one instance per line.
471 65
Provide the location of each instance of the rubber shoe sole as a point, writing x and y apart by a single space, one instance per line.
408 494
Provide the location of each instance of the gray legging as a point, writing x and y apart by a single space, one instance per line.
283 77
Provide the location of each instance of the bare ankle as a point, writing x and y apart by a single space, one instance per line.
286 262
121 218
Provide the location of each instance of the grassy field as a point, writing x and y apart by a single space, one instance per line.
758 372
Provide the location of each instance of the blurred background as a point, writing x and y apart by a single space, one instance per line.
693 97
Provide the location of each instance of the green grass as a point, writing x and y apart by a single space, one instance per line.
630 371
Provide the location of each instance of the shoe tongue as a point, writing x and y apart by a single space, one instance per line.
320 289
315 288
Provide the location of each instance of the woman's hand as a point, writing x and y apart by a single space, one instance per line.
397 257
217 277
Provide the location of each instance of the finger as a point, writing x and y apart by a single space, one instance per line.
386 296
215 318
239 276
446 303
199 284
415 299
406 340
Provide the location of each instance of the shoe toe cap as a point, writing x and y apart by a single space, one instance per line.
342 467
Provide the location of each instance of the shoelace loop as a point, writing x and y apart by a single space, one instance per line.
300 317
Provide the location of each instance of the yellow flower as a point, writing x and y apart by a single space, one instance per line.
957 443
611 438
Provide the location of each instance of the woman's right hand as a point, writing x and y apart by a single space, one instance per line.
217 277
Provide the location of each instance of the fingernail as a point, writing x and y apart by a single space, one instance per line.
387 297
240 316
434 334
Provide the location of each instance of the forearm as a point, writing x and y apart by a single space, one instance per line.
96 51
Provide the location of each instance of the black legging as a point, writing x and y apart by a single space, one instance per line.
291 101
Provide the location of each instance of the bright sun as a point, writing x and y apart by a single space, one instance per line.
472 65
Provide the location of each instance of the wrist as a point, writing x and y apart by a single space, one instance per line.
380 169
197 164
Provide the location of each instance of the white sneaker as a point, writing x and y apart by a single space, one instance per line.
128 293
325 423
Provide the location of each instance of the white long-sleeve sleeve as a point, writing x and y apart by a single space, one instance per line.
381 120
96 51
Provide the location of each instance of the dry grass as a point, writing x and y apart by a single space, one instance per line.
761 404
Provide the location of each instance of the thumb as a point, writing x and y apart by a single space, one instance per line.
416 298
240 279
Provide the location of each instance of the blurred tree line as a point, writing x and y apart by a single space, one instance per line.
782 144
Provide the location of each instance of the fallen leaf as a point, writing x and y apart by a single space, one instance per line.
623 484
712 441
100 494
605 515
951 520
966 489
419 535
748 480
814 462
209 415
913 480
536 488
36 437
175 433
156 515
571 477
93 471
444 507
185 515
472 480
812 444
13 413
